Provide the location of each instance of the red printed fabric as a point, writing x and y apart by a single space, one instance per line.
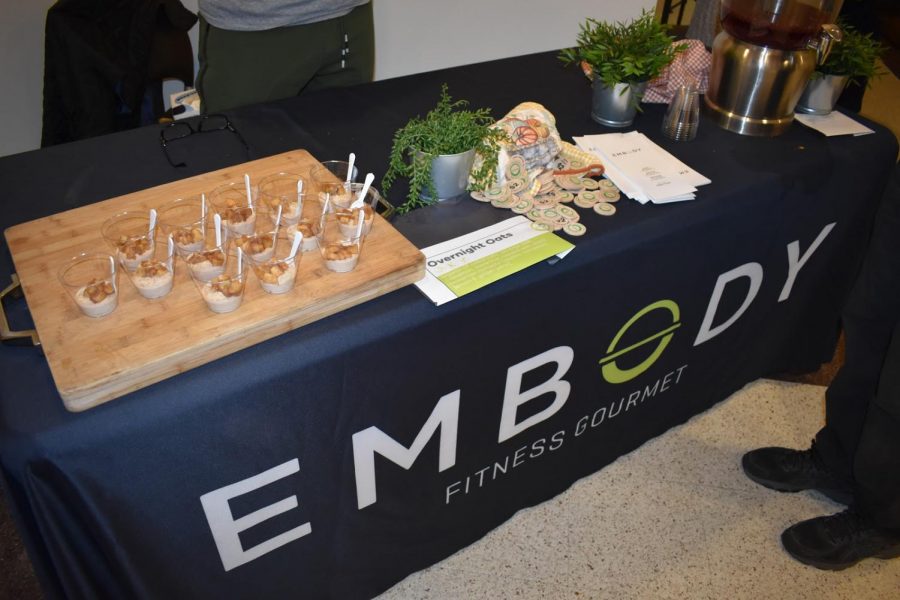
690 66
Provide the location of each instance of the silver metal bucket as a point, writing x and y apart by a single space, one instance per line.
616 106
821 94
450 174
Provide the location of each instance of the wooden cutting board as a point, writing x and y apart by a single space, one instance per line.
145 341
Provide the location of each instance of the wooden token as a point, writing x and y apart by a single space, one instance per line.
515 168
565 196
570 214
523 206
575 229
589 184
604 209
517 185
480 197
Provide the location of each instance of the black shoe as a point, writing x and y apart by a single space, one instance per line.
839 541
789 470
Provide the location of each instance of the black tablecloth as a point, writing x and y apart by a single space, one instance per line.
397 432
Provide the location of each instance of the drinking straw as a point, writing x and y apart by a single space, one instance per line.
171 249
217 219
247 187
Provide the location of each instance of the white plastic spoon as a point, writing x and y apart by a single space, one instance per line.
298 238
350 164
361 200
247 187
217 219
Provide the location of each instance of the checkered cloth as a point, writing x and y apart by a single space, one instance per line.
690 66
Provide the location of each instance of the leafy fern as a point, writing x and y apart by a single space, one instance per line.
449 128
623 52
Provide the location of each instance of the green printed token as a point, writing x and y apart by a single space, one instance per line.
589 184
480 197
565 196
575 229
570 214
605 209
541 226
569 182
516 185
515 168
545 201
496 191
550 213
507 202
611 196
606 183
535 214
523 206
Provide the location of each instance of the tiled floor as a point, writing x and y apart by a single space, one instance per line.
676 518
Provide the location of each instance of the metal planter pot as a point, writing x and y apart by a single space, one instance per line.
821 94
450 174
616 106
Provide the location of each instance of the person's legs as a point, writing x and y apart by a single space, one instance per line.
861 438
246 67
350 57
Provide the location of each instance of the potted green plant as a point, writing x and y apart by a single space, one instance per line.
621 58
436 153
852 60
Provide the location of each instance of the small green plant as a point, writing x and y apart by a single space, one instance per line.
449 128
855 56
623 52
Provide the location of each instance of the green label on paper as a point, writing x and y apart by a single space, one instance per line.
489 269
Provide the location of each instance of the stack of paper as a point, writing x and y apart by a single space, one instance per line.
834 123
641 169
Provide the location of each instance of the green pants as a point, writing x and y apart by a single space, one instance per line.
245 67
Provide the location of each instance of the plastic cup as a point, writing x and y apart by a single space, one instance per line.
349 217
129 235
155 276
329 179
239 214
278 274
308 224
280 189
206 264
184 220
224 292
90 279
339 247
259 243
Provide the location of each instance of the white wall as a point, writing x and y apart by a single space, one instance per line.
411 36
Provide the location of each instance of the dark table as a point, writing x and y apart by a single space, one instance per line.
336 459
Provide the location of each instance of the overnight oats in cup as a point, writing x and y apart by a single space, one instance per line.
340 248
238 209
308 224
259 242
206 264
278 274
90 279
185 220
349 217
332 183
286 190
131 234
155 276
224 292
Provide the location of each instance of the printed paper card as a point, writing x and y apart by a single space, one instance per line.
472 261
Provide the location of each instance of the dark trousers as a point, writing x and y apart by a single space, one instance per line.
861 437
238 68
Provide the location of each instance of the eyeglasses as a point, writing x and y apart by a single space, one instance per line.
182 129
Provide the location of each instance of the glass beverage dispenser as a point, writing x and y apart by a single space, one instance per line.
763 58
